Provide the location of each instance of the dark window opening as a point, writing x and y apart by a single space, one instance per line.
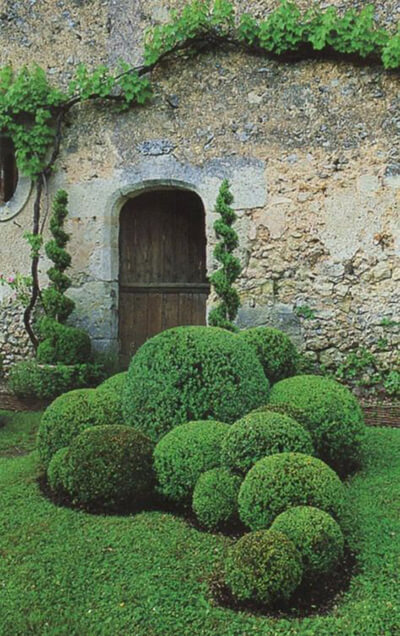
8 169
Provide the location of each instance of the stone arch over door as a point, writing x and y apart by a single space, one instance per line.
162 265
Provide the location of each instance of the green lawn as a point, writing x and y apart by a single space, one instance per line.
70 573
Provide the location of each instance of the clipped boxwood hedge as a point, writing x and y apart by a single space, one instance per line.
281 481
215 498
70 414
192 373
263 566
274 349
316 535
109 466
260 434
335 418
186 452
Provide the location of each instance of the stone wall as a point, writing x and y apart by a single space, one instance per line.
14 342
312 150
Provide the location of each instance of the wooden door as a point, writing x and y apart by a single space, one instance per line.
162 279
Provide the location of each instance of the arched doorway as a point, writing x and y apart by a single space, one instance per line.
162 273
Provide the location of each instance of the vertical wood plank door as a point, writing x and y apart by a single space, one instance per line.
162 276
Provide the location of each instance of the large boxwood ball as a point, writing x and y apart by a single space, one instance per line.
215 498
316 535
192 373
281 481
58 470
263 566
274 349
335 418
70 414
110 466
186 452
259 434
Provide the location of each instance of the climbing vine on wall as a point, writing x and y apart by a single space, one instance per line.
33 111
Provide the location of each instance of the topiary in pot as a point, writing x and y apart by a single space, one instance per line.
215 498
110 466
186 452
263 566
72 413
285 480
274 349
260 434
335 419
316 535
192 373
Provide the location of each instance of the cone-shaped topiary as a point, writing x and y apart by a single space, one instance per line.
316 535
186 452
70 414
263 566
224 314
215 498
285 480
335 419
109 466
192 373
274 349
260 434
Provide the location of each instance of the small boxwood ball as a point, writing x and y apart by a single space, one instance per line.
274 349
70 414
285 480
186 452
286 409
58 470
192 373
263 566
260 434
316 535
115 383
335 419
110 466
215 498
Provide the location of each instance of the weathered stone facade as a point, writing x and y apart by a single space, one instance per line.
312 150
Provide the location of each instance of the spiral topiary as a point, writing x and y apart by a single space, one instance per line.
109 466
335 419
285 480
263 566
70 414
192 373
186 452
260 434
222 280
215 498
316 535
274 349
62 344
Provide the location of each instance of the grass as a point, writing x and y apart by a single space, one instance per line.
68 573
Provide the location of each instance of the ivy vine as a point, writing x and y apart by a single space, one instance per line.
33 111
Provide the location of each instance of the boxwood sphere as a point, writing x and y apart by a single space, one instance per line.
186 452
316 535
263 566
281 481
259 434
215 498
70 414
58 470
110 466
334 416
192 373
274 349
287 409
115 383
